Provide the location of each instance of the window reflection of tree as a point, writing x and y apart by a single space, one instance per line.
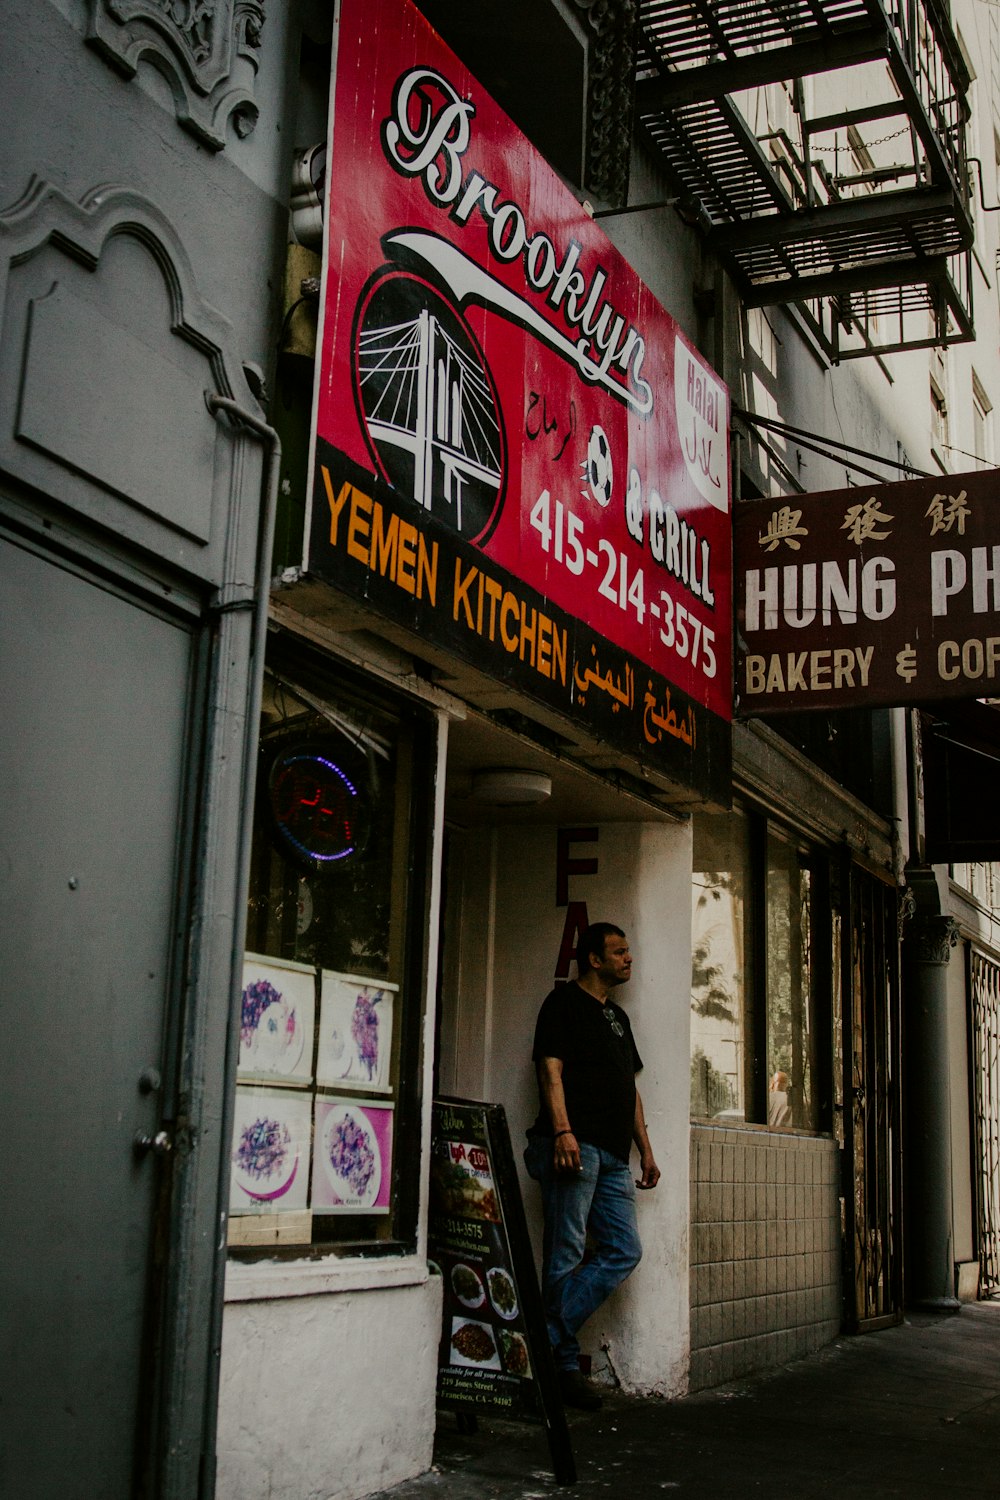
751 1013
718 1084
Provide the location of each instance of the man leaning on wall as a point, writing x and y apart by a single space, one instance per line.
590 1114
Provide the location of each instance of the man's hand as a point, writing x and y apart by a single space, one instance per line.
566 1148
566 1156
650 1171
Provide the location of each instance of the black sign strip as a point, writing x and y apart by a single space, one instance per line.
378 546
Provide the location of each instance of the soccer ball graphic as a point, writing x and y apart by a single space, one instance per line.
598 470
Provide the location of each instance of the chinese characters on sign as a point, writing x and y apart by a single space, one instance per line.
518 456
859 598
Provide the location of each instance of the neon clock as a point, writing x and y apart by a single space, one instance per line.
321 815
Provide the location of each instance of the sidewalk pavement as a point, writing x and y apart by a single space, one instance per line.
909 1411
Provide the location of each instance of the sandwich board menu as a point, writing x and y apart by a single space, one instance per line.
494 1353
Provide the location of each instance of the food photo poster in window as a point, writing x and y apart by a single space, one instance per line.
355 1033
277 1020
352 1161
270 1155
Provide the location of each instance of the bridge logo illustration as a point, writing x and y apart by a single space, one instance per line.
427 403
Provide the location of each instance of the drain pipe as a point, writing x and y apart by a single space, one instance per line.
928 939
259 602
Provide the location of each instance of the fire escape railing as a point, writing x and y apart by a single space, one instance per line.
854 204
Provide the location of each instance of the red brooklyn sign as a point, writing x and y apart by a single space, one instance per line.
518 453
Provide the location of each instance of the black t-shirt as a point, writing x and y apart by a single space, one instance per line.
594 1043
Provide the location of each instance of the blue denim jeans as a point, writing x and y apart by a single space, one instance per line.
600 1198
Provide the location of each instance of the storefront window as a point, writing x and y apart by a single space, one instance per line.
719 965
754 1039
324 1146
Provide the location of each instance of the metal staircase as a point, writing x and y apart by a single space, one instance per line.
820 146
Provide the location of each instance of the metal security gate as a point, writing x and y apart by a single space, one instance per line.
984 987
873 1280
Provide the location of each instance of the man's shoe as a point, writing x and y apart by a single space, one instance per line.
577 1390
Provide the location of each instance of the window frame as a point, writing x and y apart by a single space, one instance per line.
982 424
761 827
323 679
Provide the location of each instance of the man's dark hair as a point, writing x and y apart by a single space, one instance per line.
592 940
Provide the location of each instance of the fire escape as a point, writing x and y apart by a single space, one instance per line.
820 147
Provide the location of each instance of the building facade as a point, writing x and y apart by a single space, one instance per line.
144 177
333 723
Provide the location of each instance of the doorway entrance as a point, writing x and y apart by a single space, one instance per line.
97 688
872 1186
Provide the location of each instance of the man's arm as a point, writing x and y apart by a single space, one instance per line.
650 1171
566 1148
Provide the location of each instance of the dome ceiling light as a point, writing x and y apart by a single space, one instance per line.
511 788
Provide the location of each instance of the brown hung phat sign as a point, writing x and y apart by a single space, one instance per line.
869 597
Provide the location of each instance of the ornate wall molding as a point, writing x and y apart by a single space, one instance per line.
107 350
208 51
929 940
905 911
44 214
612 29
